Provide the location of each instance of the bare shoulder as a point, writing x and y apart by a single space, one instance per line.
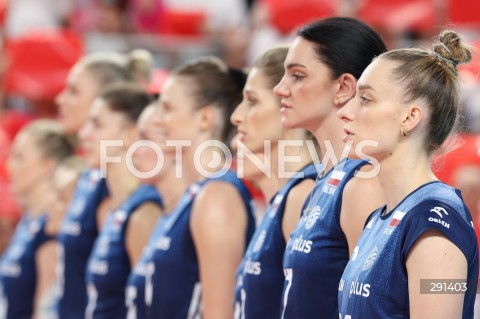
363 190
297 197
146 211
215 197
435 257
218 207
361 196
47 249
434 248
301 191
293 207
140 226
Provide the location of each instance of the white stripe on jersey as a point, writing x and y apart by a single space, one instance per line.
194 311
92 301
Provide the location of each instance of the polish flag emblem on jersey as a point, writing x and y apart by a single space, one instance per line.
335 178
119 218
397 217
95 176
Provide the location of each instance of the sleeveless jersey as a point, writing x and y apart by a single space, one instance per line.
317 251
375 281
76 237
109 264
18 268
260 275
165 283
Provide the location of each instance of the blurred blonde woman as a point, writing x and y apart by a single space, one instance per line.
26 272
140 285
129 213
79 229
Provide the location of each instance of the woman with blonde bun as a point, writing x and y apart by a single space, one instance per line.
418 255
79 229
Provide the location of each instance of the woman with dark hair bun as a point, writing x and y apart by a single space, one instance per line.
321 71
286 185
418 254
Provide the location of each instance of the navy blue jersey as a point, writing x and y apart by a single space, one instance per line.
76 237
18 268
375 281
317 251
260 275
165 283
109 264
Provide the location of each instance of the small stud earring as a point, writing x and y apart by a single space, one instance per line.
404 132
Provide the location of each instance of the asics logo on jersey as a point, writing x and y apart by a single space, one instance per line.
312 217
439 210
163 243
370 260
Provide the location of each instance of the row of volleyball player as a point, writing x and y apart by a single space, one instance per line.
368 233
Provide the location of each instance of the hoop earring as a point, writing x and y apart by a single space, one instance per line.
403 132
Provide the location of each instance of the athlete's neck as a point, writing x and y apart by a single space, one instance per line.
171 189
401 173
329 135
268 186
120 182
38 200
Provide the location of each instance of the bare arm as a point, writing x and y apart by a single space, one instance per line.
139 229
45 263
218 224
293 207
361 196
433 256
